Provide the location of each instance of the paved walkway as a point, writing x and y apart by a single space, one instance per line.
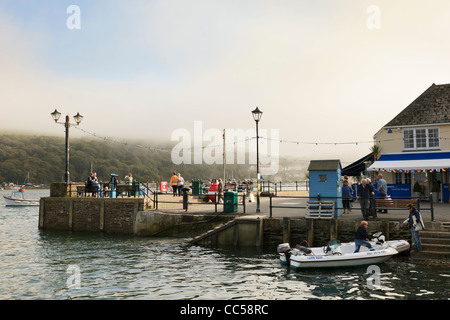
441 210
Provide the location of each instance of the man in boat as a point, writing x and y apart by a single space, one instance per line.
362 238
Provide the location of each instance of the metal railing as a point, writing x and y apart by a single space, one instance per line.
420 203
273 186
216 203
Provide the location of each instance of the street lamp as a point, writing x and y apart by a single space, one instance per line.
257 114
78 117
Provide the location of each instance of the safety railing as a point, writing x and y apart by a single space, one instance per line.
311 203
214 202
275 186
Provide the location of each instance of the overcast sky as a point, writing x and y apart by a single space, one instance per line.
321 71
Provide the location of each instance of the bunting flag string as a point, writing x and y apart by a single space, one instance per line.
317 143
153 148
159 148
413 170
221 145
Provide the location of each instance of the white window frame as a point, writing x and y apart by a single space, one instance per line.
418 134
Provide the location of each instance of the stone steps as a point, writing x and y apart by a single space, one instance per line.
430 254
435 244
435 234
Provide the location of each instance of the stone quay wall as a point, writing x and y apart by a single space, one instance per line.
89 214
318 232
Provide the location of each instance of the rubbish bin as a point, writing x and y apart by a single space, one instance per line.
230 201
197 187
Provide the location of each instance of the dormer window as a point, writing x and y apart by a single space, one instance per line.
421 139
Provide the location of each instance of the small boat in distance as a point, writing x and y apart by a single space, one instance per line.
17 199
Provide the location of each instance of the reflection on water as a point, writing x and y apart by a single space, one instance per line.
38 264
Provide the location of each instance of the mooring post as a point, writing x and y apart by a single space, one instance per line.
70 214
286 224
102 214
310 231
333 229
270 204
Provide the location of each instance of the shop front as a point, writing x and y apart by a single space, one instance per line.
411 173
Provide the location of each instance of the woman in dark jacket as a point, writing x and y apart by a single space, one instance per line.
415 222
346 196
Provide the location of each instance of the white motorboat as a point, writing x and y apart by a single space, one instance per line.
17 199
336 254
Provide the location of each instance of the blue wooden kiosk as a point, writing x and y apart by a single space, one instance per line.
325 189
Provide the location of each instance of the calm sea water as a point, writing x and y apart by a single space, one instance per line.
37 264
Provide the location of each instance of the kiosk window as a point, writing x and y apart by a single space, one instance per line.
322 178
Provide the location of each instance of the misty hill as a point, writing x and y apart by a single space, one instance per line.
43 157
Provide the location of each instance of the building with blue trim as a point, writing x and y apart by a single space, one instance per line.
415 146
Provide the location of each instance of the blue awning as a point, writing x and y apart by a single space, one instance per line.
412 161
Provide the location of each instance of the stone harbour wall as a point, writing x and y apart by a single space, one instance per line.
318 232
89 214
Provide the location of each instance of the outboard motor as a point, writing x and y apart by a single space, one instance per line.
286 249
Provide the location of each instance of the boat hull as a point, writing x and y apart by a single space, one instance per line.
345 257
348 260
399 245
11 201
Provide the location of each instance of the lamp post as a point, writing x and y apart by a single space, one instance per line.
257 114
56 115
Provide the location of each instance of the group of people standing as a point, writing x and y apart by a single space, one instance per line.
366 196
176 183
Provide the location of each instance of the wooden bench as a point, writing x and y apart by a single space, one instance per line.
124 189
394 203
83 190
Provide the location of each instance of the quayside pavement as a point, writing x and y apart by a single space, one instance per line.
294 207
436 242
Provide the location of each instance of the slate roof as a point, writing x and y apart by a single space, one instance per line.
324 165
431 107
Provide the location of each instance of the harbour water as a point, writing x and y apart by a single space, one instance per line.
36 264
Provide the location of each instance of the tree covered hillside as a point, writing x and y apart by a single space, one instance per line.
43 157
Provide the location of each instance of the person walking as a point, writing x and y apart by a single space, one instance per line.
346 196
415 223
365 191
382 190
220 191
362 238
